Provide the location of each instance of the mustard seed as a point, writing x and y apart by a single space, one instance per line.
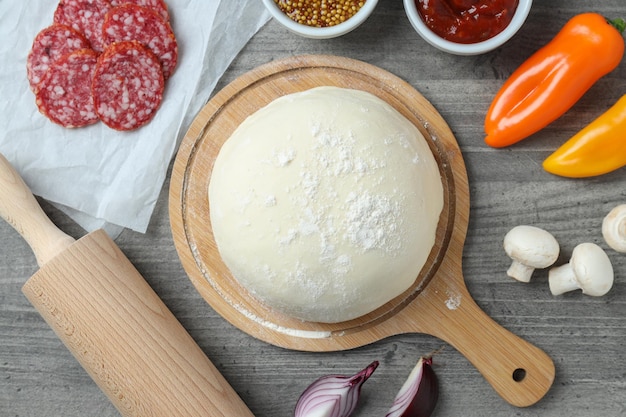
320 13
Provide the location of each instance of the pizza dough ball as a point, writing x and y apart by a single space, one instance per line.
324 204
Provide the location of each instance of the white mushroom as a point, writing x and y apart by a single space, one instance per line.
614 228
589 269
530 247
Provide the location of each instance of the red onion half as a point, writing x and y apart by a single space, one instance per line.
333 395
419 394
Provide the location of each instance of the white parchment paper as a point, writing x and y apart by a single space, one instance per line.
99 176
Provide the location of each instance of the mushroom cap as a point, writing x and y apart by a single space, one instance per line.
614 228
592 269
531 246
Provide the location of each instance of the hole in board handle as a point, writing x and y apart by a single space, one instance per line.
519 374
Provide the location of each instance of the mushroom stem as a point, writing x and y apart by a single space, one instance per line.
562 279
520 272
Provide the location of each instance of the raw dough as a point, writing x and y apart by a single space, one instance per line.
324 204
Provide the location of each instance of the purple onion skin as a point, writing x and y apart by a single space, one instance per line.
424 400
427 395
337 395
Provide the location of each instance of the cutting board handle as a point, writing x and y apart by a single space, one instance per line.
520 372
21 210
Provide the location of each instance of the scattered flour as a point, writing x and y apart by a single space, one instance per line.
454 301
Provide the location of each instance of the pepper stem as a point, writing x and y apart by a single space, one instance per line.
618 24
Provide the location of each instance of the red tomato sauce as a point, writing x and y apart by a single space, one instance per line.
466 21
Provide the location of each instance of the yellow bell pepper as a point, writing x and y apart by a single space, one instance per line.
597 149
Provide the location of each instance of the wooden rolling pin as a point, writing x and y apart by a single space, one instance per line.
114 324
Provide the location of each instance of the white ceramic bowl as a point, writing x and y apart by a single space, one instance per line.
521 13
325 32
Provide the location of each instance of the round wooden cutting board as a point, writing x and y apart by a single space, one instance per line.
437 304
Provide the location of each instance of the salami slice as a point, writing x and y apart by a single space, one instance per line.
158 6
64 93
49 45
132 22
127 86
85 16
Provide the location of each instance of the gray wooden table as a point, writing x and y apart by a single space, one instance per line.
585 336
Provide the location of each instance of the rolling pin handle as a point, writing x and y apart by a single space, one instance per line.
154 368
21 210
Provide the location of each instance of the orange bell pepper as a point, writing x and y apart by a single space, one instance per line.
597 149
554 78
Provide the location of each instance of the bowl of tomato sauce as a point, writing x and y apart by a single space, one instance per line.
467 27
320 19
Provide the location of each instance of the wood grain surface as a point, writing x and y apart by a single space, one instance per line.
584 336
